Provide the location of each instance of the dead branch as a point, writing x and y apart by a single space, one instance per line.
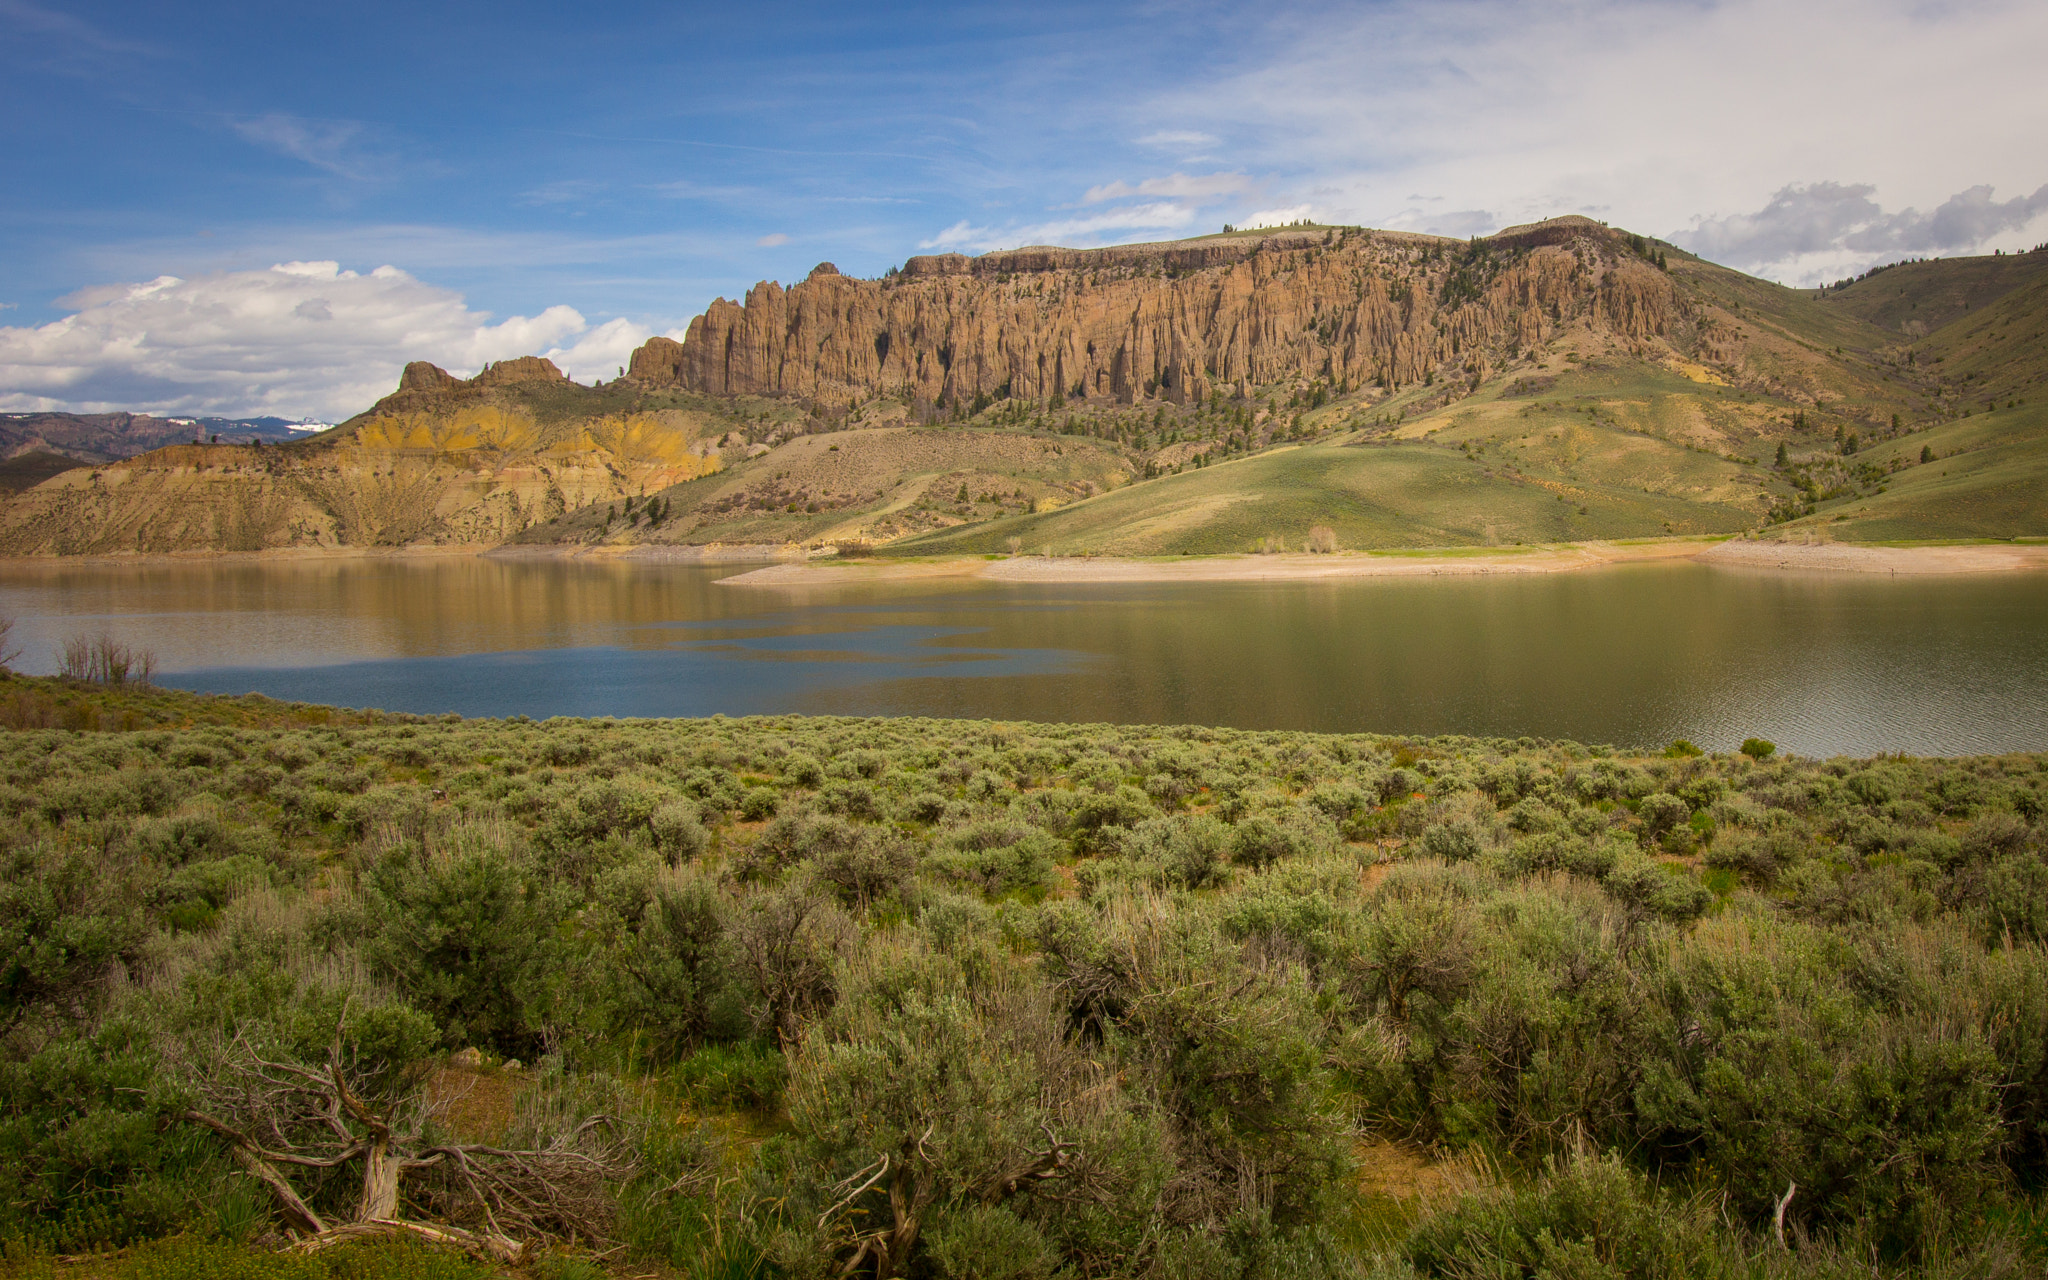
1034 1166
277 1117
1778 1218
489 1248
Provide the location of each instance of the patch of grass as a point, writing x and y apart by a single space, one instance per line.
191 1257
1408 495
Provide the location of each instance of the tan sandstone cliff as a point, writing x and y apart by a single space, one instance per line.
1173 321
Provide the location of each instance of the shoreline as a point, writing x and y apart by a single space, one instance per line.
780 566
1448 562
270 555
659 553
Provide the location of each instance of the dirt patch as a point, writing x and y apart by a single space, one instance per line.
1402 1171
477 1105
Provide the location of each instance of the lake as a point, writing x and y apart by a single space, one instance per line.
1635 655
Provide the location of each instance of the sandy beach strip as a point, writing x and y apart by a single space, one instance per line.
1450 562
1458 561
1843 557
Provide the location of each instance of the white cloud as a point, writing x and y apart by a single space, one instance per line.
324 144
298 338
1109 226
603 351
773 240
1204 187
1280 217
1178 139
1817 232
65 29
1651 114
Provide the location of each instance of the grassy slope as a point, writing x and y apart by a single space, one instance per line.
1936 293
25 471
1989 361
1401 495
1989 480
876 483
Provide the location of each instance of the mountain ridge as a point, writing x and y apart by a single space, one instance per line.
1559 380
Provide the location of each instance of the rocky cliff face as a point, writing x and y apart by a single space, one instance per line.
1172 322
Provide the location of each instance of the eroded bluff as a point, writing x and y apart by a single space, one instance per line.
1170 321
442 460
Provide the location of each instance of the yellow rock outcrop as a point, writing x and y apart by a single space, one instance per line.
441 461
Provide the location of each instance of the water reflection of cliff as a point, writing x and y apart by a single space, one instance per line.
1640 655
1636 655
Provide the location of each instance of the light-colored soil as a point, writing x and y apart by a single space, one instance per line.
1248 568
1845 557
1419 564
657 552
785 566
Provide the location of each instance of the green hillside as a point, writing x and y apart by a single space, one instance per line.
1935 293
1592 441
1508 489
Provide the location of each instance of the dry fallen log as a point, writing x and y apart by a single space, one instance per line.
483 1245
279 1119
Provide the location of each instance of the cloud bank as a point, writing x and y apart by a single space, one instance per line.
1130 222
297 339
1796 141
1805 232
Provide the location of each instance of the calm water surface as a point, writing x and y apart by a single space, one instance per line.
1633 655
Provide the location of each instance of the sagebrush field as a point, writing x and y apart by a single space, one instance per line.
790 996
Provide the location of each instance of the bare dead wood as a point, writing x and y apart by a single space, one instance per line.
1778 1218
254 1162
489 1247
911 1190
283 1116
1036 1166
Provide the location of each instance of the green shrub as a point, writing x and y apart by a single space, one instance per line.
470 940
1179 1060
1591 1216
677 831
995 858
745 1074
989 1242
1187 851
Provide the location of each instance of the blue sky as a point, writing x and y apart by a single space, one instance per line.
199 198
